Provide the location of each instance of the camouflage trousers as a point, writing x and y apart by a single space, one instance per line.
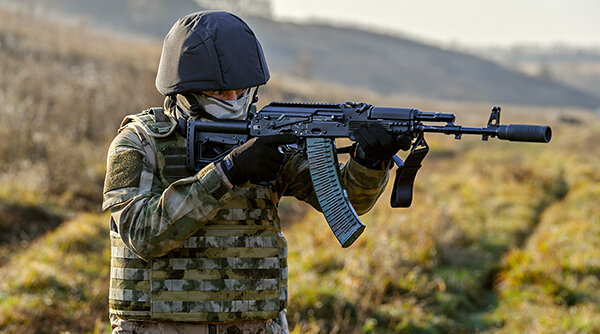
271 326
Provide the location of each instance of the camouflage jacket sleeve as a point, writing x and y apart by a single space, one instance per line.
363 185
150 219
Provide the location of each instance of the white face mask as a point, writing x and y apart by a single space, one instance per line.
222 109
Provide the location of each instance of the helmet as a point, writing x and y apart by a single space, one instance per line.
210 50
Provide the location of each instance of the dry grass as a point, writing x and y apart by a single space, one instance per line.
62 94
60 283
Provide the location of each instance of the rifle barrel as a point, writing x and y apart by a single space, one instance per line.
512 132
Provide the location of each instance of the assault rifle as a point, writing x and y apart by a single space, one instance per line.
317 125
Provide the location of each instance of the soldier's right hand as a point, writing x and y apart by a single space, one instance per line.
257 160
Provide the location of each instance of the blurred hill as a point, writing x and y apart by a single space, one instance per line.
390 65
577 67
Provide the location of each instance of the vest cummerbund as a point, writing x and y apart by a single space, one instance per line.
233 268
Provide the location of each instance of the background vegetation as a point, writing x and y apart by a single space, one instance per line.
384 61
502 237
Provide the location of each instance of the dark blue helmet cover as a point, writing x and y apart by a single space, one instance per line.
210 50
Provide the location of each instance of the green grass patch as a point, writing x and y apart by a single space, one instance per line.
59 283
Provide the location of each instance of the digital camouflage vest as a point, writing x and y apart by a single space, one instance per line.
233 268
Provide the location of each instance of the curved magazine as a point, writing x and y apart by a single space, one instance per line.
332 196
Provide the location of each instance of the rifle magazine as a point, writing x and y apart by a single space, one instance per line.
332 197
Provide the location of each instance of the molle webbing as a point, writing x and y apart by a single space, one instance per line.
129 281
233 268
174 157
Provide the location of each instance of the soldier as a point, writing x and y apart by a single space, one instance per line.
204 252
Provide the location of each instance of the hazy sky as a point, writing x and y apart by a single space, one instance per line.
467 22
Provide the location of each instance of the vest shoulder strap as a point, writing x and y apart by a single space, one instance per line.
154 121
150 125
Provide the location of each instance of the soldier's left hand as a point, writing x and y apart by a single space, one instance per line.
375 145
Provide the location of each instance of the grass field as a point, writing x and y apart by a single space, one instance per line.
502 237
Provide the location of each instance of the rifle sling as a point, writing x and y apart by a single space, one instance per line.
405 178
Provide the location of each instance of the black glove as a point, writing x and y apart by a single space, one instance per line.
375 147
257 160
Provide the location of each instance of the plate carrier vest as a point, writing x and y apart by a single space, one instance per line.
234 268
